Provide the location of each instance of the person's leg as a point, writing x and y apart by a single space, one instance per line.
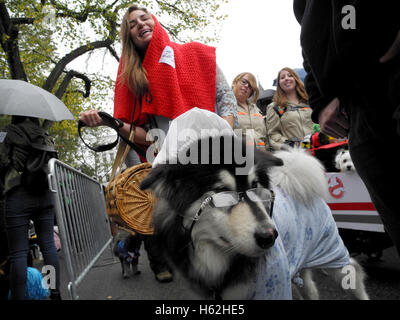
4 264
157 260
380 177
374 145
18 208
44 226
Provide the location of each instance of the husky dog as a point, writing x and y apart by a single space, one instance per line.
228 233
343 161
127 250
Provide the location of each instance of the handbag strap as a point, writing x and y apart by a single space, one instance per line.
123 149
121 155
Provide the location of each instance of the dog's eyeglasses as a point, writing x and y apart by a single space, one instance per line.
231 198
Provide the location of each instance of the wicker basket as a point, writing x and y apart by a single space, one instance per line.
127 204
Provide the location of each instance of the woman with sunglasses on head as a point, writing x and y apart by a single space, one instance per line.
289 115
157 81
246 91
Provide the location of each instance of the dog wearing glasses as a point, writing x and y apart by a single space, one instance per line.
238 229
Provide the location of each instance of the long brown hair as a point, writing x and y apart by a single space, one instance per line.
133 74
253 83
280 96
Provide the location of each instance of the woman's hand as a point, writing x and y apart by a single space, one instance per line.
333 121
393 51
91 118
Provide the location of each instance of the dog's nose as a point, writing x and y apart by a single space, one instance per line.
266 238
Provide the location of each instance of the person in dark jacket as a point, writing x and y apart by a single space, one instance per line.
21 205
352 59
4 265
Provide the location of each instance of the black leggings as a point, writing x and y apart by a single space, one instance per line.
20 207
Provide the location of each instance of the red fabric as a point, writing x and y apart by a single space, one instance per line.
314 140
315 145
173 90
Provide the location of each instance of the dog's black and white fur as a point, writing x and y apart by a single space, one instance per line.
343 161
219 249
127 251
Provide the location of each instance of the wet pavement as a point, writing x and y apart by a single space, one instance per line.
105 282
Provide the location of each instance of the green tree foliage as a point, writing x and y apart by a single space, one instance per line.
71 48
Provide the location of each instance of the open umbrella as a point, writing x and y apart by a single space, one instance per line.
20 98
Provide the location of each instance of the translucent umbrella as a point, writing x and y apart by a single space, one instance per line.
20 98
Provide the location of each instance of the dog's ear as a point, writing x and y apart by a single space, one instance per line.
156 176
266 160
164 180
337 164
339 152
337 158
263 162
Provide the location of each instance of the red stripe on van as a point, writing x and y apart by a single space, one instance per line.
356 206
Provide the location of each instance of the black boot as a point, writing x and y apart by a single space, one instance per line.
55 294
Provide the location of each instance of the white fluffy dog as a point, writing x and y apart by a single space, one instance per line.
343 161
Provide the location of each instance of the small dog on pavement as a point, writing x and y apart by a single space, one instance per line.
343 161
127 250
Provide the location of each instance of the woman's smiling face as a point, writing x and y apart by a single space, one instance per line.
141 28
286 81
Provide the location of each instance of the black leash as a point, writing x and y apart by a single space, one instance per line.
115 124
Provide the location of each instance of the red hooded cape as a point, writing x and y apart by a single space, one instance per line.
181 76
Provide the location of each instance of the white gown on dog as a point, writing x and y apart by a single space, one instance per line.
308 238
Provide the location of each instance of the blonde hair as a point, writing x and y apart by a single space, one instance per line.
253 84
133 74
280 96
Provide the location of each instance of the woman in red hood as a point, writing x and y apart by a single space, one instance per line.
159 80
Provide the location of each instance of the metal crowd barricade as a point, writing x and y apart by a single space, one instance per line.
82 220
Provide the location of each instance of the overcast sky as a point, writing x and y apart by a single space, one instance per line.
261 37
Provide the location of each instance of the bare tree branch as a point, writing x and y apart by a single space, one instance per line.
113 52
9 42
67 79
18 21
60 66
171 32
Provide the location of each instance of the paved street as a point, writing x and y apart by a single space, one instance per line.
105 282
